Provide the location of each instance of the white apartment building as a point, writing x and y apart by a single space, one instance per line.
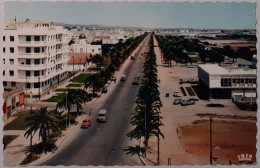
35 56
219 82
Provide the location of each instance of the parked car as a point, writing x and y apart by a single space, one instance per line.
85 123
187 102
132 58
135 81
104 90
102 115
113 78
123 78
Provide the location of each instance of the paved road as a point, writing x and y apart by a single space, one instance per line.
106 143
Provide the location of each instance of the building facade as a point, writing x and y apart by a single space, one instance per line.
218 82
35 56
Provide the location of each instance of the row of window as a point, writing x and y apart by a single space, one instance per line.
36 38
11 38
36 85
27 61
11 49
240 81
27 73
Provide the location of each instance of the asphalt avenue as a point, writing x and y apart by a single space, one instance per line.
106 143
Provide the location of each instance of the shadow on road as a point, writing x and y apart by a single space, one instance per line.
133 150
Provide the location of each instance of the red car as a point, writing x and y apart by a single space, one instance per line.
85 123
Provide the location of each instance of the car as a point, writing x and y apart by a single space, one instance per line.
113 78
102 115
85 123
104 90
132 58
187 102
123 78
175 94
135 81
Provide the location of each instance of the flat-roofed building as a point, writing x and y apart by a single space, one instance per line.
35 56
219 82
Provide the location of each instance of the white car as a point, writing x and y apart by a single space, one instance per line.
102 115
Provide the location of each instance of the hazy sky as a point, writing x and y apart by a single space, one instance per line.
203 15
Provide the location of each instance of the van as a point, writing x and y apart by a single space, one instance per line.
102 115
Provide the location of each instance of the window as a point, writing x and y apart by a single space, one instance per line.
42 49
3 60
37 85
37 38
3 38
36 61
11 49
28 38
4 83
11 61
4 50
11 38
13 84
28 85
36 73
28 50
28 62
37 50
42 72
3 72
28 73
42 38
81 50
42 84
11 73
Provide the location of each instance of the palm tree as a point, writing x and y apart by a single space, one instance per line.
45 121
81 97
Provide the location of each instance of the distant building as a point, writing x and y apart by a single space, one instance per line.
218 82
83 47
79 61
35 56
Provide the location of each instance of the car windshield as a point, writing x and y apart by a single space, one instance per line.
101 115
85 121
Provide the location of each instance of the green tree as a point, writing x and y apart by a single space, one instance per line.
45 121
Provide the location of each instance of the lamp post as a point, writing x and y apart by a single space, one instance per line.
210 139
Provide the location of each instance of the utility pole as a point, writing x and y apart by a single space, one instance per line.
39 88
210 139
73 66
25 91
30 156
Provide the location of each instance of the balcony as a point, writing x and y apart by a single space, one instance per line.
33 55
32 43
32 66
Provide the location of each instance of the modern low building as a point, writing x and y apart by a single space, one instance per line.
35 56
219 82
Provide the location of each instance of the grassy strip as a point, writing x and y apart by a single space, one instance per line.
74 85
61 90
80 78
54 98
18 123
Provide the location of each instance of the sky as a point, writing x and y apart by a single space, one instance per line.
200 15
